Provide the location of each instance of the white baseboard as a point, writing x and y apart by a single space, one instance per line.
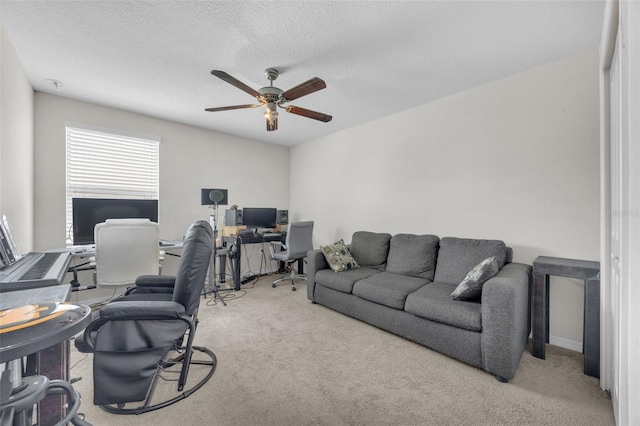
566 343
572 345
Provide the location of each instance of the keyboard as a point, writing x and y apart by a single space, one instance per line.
35 270
40 269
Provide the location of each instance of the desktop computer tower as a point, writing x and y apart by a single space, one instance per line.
232 217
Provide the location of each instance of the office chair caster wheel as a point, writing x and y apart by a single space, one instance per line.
293 289
273 285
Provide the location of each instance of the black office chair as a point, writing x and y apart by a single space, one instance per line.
298 242
139 338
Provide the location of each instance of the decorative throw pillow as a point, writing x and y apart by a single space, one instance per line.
370 249
338 256
471 286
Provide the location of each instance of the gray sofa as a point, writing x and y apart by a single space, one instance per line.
403 285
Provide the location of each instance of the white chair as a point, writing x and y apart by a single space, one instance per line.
125 249
298 243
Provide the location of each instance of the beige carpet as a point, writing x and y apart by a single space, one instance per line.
285 361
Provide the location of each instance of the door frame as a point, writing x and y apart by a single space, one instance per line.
621 20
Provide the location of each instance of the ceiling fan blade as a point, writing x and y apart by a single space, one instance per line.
305 88
240 85
232 107
308 113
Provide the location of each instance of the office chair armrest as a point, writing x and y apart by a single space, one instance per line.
155 281
132 311
272 251
153 284
142 310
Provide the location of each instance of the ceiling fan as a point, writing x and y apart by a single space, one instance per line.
272 97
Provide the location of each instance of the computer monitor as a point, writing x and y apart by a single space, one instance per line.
88 212
259 217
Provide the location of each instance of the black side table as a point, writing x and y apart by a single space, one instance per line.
588 271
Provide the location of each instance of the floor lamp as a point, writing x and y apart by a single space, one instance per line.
214 198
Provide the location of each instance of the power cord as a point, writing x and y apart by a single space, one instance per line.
226 297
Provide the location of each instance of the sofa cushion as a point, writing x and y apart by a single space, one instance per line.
370 249
343 281
433 303
338 256
457 256
388 289
413 255
471 286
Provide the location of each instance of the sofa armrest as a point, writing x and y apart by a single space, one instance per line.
315 262
506 319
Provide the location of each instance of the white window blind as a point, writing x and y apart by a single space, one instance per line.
105 164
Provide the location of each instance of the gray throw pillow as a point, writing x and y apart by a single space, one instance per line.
413 255
471 286
370 249
338 256
457 256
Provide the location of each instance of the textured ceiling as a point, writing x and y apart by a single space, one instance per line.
377 58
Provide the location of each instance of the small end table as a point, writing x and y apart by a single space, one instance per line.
588 271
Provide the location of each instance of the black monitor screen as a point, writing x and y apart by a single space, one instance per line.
259 217
88 212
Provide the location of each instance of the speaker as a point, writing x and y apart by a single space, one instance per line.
232 217
283 217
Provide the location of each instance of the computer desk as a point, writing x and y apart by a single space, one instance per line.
238 241
89 250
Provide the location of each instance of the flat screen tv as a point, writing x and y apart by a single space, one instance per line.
259 217
87 212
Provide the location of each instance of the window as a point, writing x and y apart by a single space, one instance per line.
106 164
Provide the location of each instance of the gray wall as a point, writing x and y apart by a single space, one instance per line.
16 146
516 159
255 173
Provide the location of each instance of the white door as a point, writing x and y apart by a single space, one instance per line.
624 240
615 212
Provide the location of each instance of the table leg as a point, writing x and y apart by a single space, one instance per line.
540 298
547 278
592 327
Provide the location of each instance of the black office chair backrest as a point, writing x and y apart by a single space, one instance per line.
299 239
194 265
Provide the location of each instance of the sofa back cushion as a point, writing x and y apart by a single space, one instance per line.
457 256
413 255
370 249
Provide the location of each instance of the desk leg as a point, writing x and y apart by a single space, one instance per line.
540 297
236 265
592 327
223 268
212 273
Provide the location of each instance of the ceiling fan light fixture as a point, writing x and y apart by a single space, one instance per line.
271 116
272 97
